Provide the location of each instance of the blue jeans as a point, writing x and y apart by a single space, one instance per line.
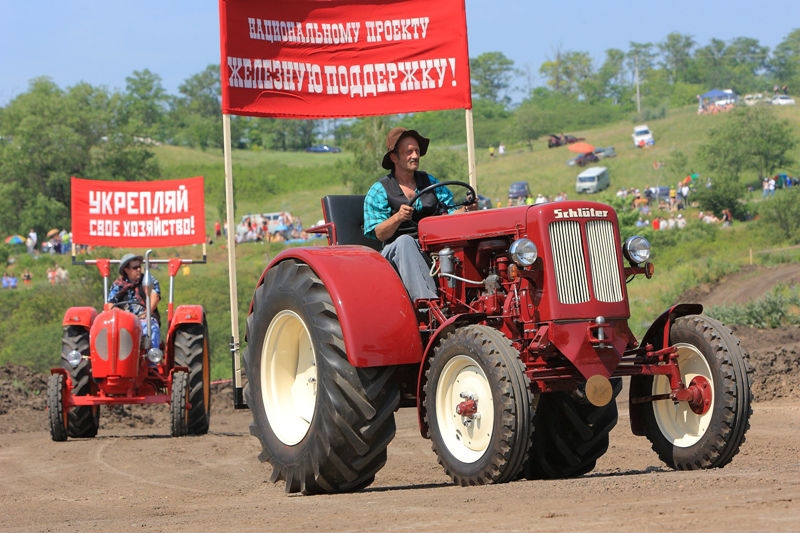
406 257
155 331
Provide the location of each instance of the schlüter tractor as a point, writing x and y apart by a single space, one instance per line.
514 369
107 359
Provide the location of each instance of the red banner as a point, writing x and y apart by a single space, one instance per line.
343 58
138 214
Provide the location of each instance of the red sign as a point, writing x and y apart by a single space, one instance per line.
138 214
337 58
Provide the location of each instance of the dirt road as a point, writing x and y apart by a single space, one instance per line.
133 476
140 479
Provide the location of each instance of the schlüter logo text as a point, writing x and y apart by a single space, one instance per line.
581 212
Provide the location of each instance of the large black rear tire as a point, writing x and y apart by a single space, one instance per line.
57 415
709 355
192 351
84 420
570 434
324 425
475 370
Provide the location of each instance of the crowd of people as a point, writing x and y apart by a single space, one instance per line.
256 228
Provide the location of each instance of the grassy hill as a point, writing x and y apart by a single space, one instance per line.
30 333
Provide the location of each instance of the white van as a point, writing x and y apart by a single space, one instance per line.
593 179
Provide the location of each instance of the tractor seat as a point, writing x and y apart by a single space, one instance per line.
344 220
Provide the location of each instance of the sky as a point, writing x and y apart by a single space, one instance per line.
102 43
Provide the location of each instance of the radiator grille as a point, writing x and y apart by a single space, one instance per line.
573 271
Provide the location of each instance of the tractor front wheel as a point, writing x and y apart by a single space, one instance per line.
478 406
59 417
323 424
192 351
708 432
84 421
179 401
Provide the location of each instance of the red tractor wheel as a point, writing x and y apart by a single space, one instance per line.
179 402
191 350
85 420
478 406
323 424
708 433
58 416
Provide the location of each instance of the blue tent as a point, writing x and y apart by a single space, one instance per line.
715 94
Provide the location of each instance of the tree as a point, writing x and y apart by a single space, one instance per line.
750 139
52 134
676 53
491 74
781 214
144 105
785 63
366 139
568 72
196 116
611 77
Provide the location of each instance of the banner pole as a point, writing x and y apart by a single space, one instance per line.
238 397
473 180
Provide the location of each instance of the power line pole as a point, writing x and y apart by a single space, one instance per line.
638 95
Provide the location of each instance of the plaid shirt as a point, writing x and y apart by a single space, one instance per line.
377 209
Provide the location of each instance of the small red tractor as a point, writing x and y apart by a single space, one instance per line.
514 369
106 359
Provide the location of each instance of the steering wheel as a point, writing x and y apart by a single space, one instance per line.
470 196
127 305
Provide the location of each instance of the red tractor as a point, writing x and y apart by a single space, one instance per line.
106 359
514 369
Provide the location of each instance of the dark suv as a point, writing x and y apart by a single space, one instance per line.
518 192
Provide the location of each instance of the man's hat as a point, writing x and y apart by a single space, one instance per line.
127 258
391 144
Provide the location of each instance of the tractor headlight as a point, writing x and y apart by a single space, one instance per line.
636 249
74 358
523 252
155 355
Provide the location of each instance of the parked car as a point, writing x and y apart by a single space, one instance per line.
518 192
323 149
642 136
605 152
582 160
656 194
593 179
754 99
484 202
782 99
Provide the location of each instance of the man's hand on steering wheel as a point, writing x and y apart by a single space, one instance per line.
470 196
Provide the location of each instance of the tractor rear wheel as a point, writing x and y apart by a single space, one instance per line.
478 406
192 351
178 409
709 432
85 420
58 416
570 434
323 424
